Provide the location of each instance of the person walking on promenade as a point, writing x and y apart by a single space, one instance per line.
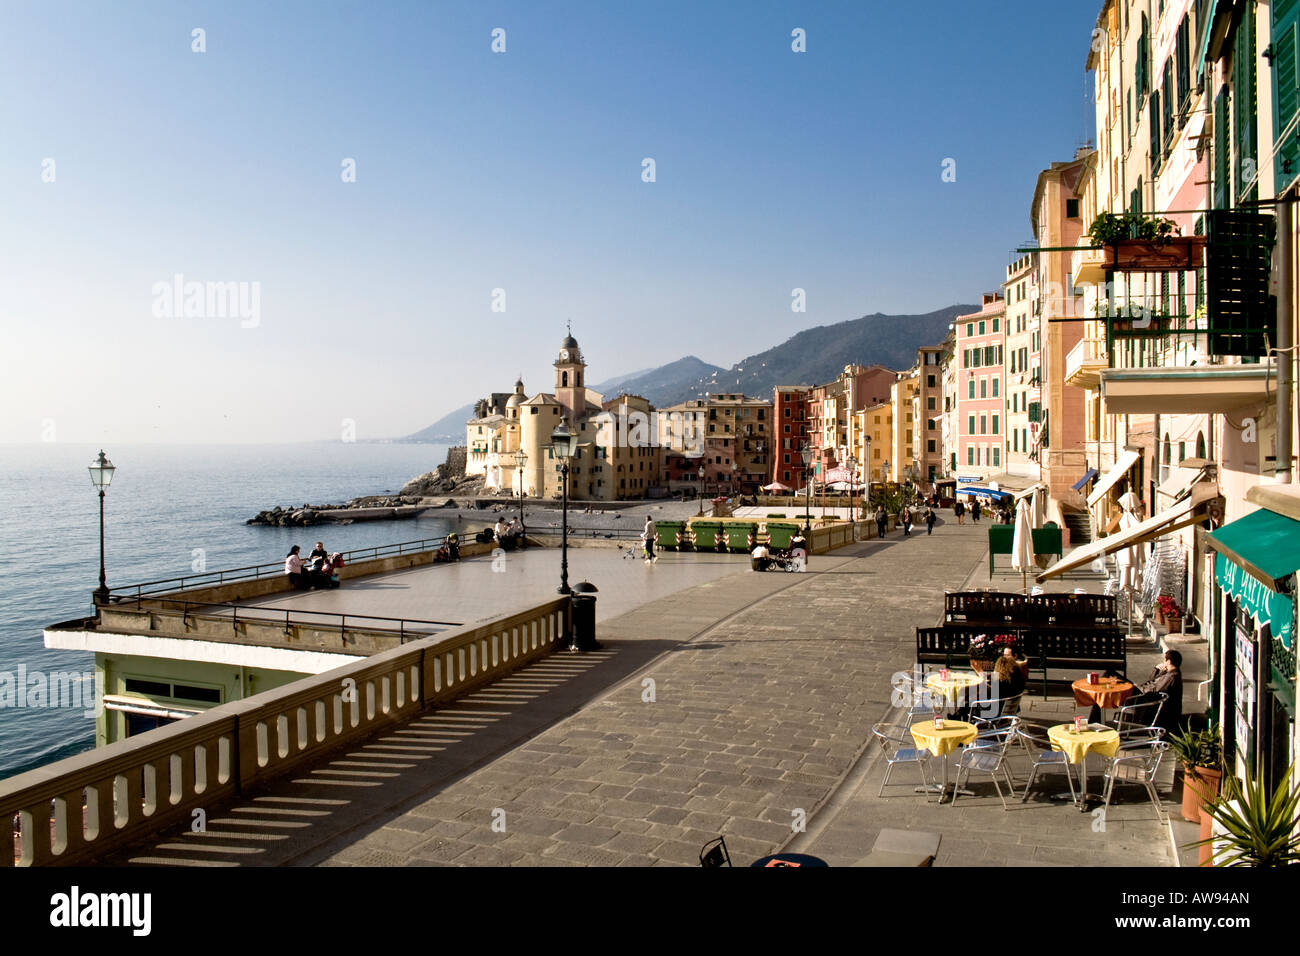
959 509
905 519
648 536
882 521
975 511
929 521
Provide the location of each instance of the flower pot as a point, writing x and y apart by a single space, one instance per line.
1200 787
1160 616
1175 625
1205 851
979 667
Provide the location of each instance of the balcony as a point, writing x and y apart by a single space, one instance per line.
1084 363
1203 389
1088 265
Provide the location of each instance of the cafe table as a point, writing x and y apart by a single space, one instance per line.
943 741
789 859
953 686
1107 694
1094 738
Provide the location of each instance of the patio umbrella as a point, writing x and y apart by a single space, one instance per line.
776 486
1128 561
1022 543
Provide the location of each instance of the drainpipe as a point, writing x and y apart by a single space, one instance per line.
1285 341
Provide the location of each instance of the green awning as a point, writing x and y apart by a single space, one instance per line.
1206 37
1256 554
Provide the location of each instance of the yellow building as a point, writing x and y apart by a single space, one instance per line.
874 435
903 463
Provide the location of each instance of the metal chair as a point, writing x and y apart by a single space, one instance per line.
715 853
895 741
1142 712
1039 746
991 760
1137 764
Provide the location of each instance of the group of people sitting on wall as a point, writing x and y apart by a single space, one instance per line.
506 535
319 570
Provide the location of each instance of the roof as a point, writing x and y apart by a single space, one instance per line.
542 398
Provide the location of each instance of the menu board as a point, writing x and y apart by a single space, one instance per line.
1244 683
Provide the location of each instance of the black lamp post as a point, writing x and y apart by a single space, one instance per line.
806 453
563 442
101 476
701 475
853 487
521 461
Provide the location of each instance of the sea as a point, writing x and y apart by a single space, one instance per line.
169 509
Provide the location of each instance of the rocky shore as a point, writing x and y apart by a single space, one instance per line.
433 489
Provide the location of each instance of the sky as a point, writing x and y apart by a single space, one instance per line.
403 219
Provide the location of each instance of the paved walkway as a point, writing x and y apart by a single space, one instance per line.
741 706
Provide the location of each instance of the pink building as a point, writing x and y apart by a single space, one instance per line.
981 388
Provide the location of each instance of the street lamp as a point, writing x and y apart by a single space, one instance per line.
866 492
806 454
101 476
701 474
521 461
563 444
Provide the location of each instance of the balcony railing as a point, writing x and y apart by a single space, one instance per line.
1084 363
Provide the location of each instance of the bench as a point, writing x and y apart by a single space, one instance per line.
1045 646
998 608
1047 540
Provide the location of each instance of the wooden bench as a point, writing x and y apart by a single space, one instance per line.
998 608
1046 647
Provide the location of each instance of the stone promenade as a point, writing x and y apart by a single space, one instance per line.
740 707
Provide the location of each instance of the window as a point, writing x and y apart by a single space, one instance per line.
1072 209
981 328
995 325
970 456
970 329
1015 441
984 388
984 424
970 428
929 403
929 380
995 424
997 455
929 445
995 388
971 383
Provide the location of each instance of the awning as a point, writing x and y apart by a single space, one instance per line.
1217 20
1126 460
1264 543
982 492
1171 519
1181 478
1088 475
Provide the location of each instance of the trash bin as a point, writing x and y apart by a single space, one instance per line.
583 600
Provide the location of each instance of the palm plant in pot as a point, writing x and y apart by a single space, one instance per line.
1259 828
1200 754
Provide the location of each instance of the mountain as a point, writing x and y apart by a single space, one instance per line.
666 384
818 355
811 357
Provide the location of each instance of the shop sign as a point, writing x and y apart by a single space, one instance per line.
1261 602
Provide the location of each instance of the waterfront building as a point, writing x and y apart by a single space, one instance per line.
790 424
1023 366
927 414
734 433
875 431
903 454
979 345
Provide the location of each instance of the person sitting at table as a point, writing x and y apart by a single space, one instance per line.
995 691
293 566
1167 679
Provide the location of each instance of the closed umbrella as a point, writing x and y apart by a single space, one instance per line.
1022 543
1128 561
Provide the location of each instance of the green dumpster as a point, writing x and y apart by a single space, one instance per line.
781 515
740 534
666 533
706 534
779 534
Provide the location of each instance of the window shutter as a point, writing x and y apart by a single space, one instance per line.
1222 149
1286 95
1184 66
1243 106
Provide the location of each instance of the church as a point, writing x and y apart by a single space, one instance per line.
508 441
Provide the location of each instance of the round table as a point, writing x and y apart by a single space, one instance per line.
1107 693
954 734
789 859
1077 746
954 685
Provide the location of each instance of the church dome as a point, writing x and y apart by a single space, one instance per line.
515 400
569 342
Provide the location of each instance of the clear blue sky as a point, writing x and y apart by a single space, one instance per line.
522 171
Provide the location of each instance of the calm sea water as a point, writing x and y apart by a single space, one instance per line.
165 502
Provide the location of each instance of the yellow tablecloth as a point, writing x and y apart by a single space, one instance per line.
1077 746
1109 692
956 683
940 742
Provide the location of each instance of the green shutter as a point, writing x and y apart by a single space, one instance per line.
1222 149
1243 106
1286 95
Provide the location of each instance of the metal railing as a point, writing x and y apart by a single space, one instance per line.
261 614
270 569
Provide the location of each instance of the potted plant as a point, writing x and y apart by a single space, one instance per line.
985 650
1169 613
1200 754
1137 243
1259 828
